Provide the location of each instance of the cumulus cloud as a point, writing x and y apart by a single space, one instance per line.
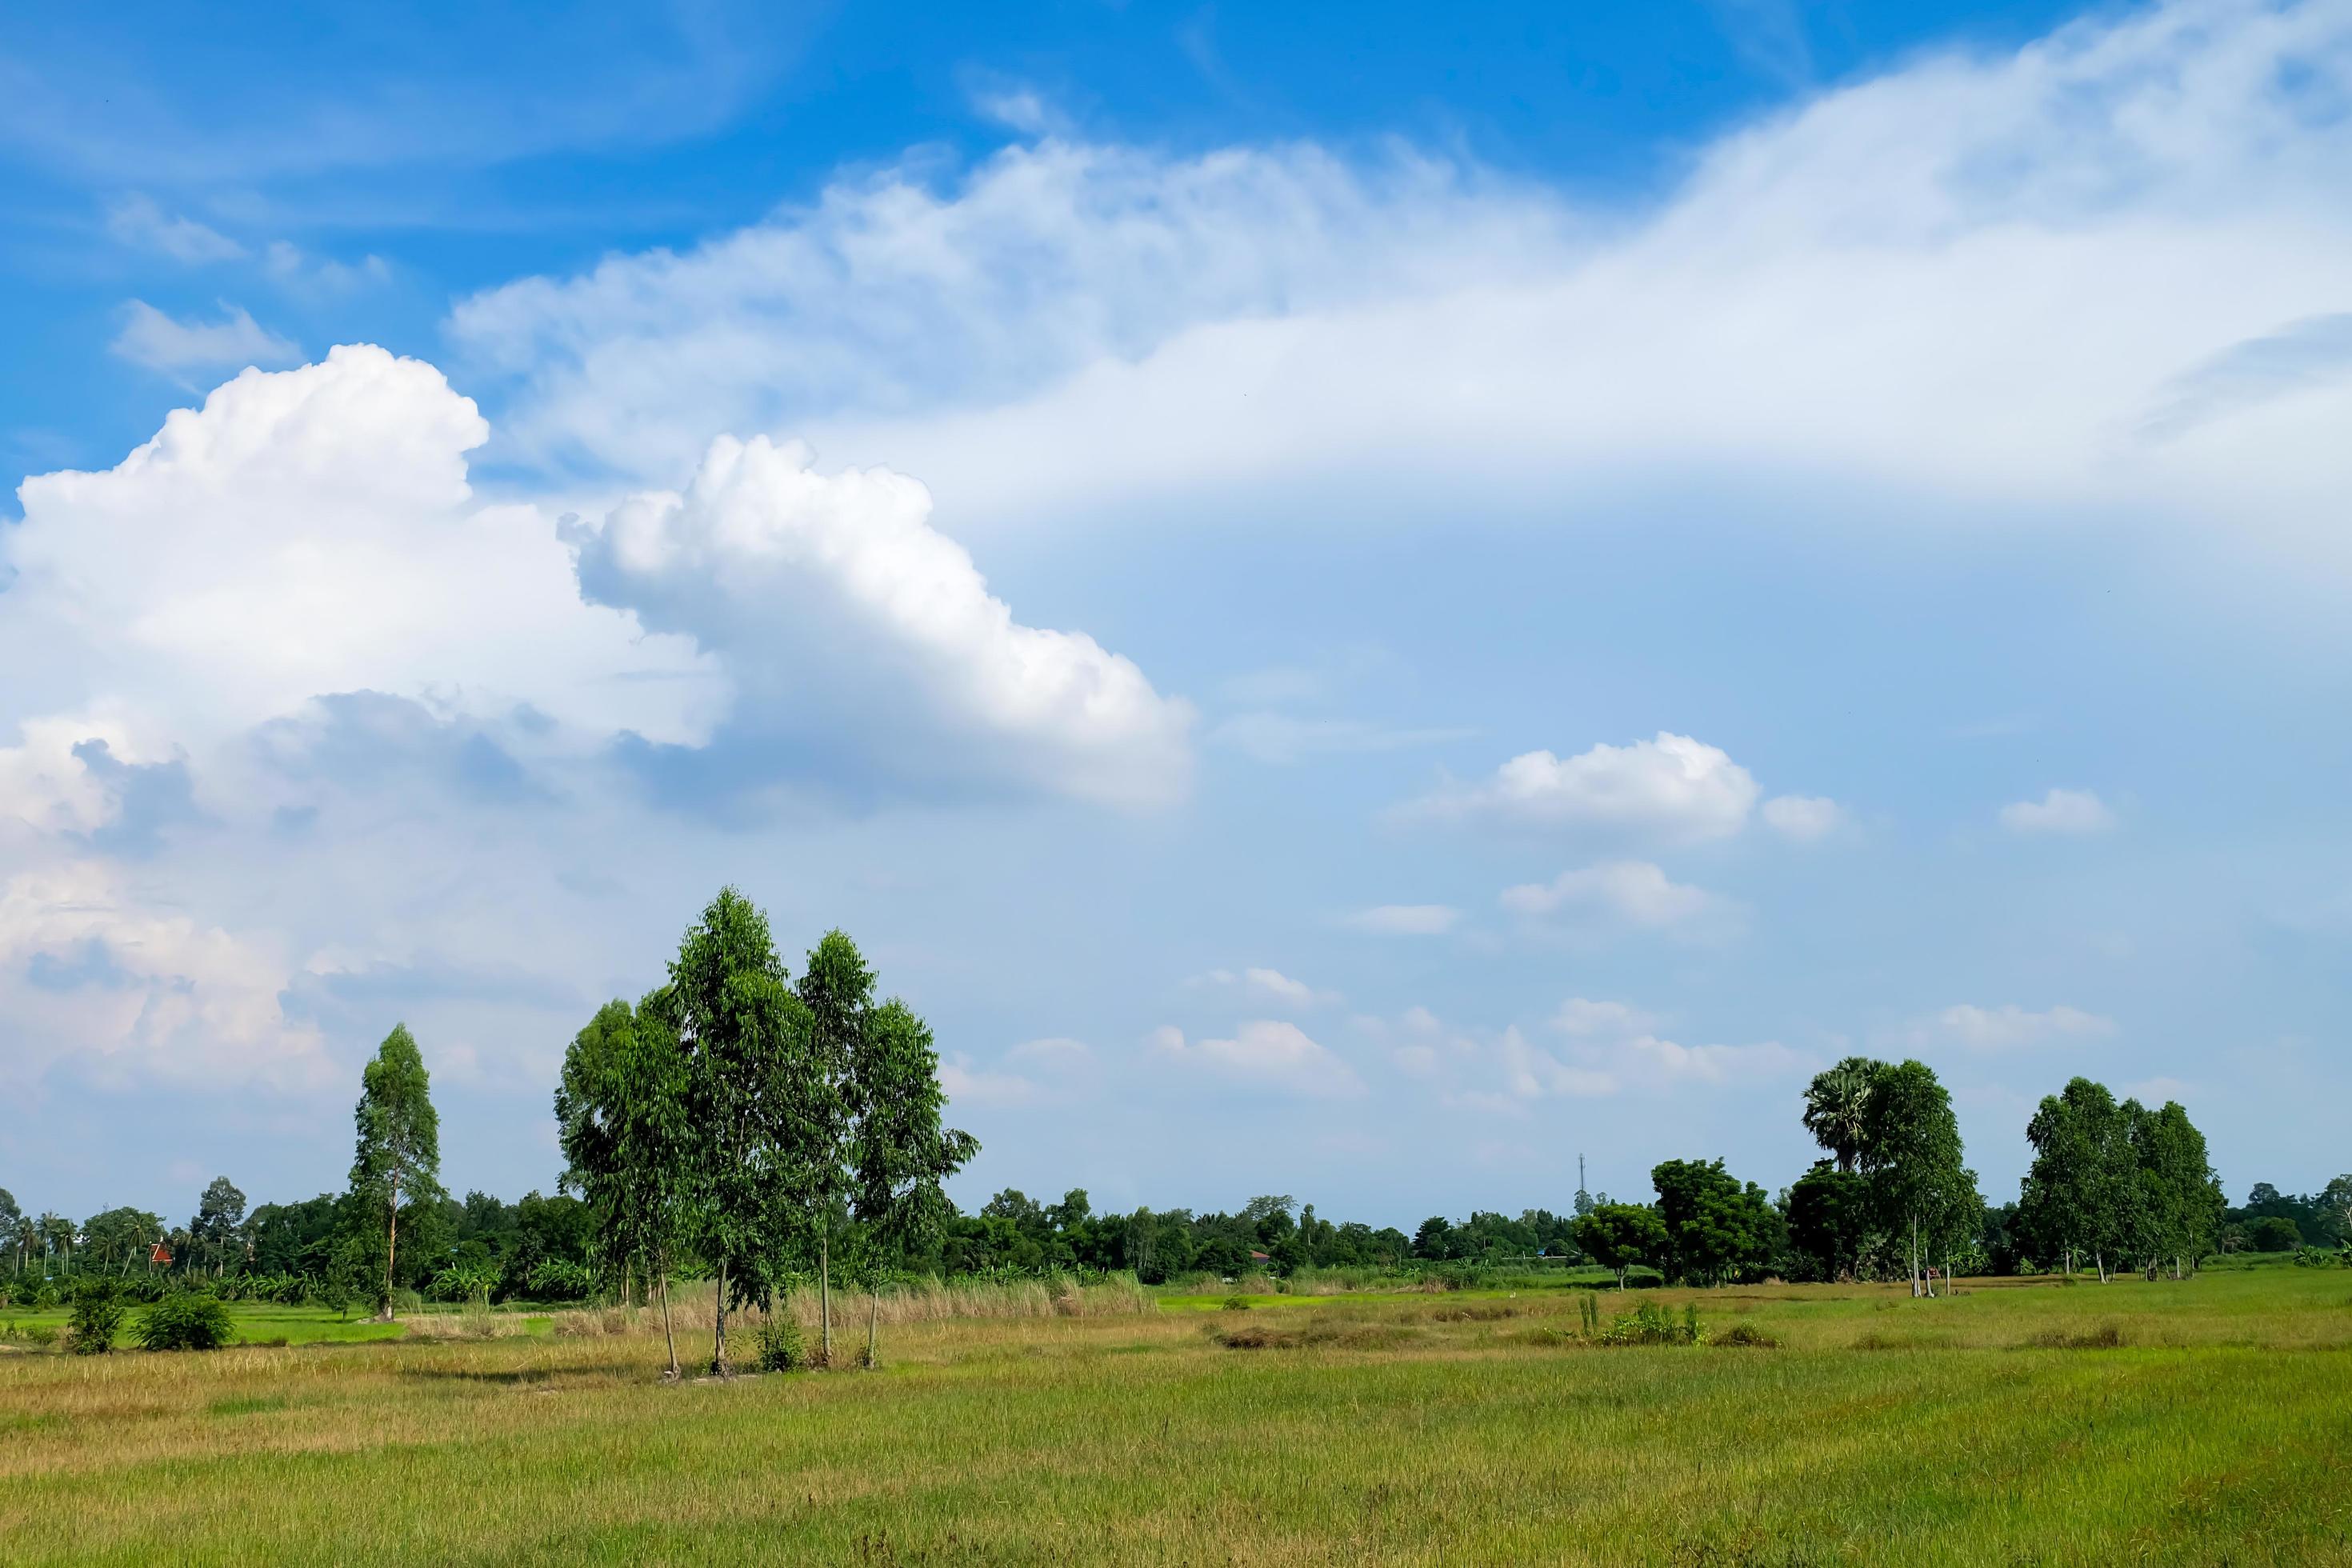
1673 787
1584 1018
1267 1054
1802 817
303 532
1404 920
834 601
2073 811
2010 1026
1067 324
1634 892
159 342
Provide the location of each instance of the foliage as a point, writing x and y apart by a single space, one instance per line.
1911 1155
398 1148
1717 1230
1837 1109
1620 1235
559 1280
185 1320
97 1315
780 1345
1653 1323
2274 1232
2324 1258
1832 1223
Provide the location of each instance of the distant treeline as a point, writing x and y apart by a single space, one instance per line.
737 1124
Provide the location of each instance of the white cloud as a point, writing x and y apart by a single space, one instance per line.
151 338
136 220
123 992
2010 1026
1802 817
782 571
1582 1019
966 1084
1405 920
1068 325
2157 1091
1632 891
2060 811
1673 788
1268 985
321 276
304 532
1268 1054
1057 1052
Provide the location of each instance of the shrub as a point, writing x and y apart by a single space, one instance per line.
557 1280
781 1348
96 1315
2106 1337
1652 1324
185 1320
2323 1257
1748 1335
1237 1303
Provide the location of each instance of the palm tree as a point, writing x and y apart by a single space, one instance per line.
1836 1104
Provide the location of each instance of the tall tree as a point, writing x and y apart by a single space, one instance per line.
1837 1108
815 1107
2336 1200
220 1213
1911 1153
900 1156
398 1152
13 1227
621 1114
729 1006
2065 1205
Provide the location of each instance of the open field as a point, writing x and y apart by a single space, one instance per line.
2208 1420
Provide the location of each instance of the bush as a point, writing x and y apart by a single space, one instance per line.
1652 1324
185 1320
1748 1335
780 1346
1237 1303
97 1315
2323 1257
557 1280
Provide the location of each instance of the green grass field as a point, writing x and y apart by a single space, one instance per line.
2208 1420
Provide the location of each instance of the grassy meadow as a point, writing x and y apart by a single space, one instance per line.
2206 1421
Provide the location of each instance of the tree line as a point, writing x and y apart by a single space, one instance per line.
742 1125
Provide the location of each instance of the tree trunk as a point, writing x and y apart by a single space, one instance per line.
718 1325
825 1297
668 1337
873 1322
391 1250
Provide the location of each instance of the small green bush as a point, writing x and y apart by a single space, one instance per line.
97 1315
1750 1335
1652 1324
185 1320
780 1346
1237 1303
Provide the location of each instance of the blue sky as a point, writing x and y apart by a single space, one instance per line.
1352 601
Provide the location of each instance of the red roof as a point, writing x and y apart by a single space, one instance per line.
162 1254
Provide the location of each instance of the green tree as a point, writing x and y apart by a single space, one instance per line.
621 1114
816 1103
1912 1155
2335 1202
741 1029
1717 1229
398 1151
2077 1193
1837 1108
1831 1221
1619 1235
901 1154
14 1232
219 1215
122 1239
